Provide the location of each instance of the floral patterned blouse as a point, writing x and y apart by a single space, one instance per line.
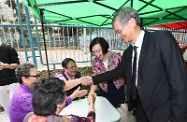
98 68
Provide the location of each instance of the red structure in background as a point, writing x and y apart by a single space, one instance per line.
181 26
176 26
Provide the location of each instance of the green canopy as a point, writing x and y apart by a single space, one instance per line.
100 12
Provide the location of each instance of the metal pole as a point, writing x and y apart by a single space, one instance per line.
30 36
45 47
22 31
38 39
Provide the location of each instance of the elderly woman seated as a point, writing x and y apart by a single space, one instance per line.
48 101
69 72
21 103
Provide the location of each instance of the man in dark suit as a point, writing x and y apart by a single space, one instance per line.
161 77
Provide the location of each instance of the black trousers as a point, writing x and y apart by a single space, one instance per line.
139 112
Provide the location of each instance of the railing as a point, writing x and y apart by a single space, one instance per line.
61 41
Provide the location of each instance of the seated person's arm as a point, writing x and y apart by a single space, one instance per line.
77 93
93 88
91 110
72 83
91 113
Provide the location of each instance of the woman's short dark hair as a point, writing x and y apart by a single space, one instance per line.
23 70
102 42
66 61
47 93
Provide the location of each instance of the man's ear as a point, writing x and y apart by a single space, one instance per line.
132 22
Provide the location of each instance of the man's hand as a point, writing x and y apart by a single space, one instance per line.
86 80
2 66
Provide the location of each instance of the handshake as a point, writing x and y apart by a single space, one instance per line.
86 80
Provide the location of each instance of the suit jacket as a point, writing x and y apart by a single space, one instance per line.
162 78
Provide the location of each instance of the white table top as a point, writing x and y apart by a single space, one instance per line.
105 112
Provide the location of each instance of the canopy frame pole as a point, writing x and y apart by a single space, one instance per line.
45 47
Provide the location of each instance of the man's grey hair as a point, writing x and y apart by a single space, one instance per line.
125 14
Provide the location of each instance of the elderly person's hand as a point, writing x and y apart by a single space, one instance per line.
78 93
92 97
86 80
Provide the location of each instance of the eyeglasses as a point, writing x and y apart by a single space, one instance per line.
36 76
120 30
96 52
72 67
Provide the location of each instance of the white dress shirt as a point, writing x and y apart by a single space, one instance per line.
138 44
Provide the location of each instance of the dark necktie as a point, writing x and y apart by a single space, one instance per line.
133 87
